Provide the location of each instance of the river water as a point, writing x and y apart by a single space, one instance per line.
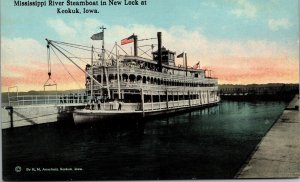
212 143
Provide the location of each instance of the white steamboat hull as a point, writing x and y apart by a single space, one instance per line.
90 116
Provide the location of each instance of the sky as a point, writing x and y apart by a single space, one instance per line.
241 41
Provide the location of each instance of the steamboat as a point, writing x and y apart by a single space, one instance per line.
134 86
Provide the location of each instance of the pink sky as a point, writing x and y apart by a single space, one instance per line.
236 71
24 61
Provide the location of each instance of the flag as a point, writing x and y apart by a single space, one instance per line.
127 40
196 66
180 55
97 36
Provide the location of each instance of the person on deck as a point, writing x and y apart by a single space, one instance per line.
120 106
99 102
93 104
61 99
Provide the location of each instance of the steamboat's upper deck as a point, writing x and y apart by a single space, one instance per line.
127 72
135 70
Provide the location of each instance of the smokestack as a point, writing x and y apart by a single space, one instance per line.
135 45
159 61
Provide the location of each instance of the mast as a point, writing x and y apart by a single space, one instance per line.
103 50
118 72
104 62
186 67
92 81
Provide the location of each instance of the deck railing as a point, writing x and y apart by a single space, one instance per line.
22 100
155 74
139 85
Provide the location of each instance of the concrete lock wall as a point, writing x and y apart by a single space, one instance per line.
29 115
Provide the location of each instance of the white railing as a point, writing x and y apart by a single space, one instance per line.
106 106
32 100
174 104
138 86
22 100
155 74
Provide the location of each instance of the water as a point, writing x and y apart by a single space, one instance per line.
211 143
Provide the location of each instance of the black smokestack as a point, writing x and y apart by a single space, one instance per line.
159 56
135 45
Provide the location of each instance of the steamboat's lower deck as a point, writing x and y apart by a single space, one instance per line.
147 103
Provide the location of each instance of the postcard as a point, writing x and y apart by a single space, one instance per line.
149 89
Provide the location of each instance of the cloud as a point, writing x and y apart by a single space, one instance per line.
248 61
18 51
276 24
244 9
61 28
211 4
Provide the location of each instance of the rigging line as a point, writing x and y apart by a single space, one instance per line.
95 57
148 45
66 69
98 52
110 52
48 59
58 42
64 54
79 58
78 48
145 52
122 49
71 54
75 47
146 39
66 44
95 48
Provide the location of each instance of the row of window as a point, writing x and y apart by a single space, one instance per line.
132 79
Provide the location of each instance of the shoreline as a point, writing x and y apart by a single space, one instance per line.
278 153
